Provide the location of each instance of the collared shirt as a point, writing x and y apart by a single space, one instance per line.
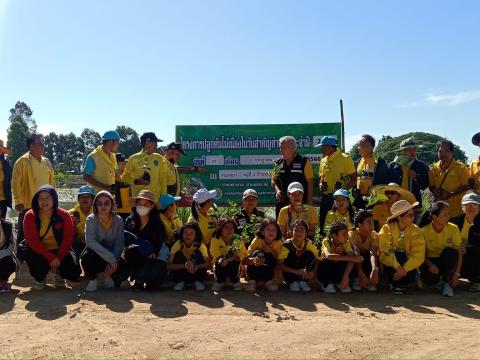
335 168
287 216
82 218
187 252
370 244
435 241
365 171
218 249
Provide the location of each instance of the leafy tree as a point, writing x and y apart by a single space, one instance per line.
129 140
91 139
51 145
21 126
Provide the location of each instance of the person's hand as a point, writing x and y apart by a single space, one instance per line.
258 261
224 262
152 256
344 282
399 273
308 275
357 259
55 264
412 174
374 277
363 279
111 268
462 249
141 181
190 266
278 196
19 208
75 220
433 269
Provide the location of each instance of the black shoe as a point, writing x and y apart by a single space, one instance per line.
137 286
398 290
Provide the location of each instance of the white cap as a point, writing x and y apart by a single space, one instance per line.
295 186
203 195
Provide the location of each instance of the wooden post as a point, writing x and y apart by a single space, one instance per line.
342 119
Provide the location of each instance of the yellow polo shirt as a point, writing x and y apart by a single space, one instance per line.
369 244
207 226
333 216
178 246
80 227
365 172
309 215
335 168
259 244
475 173
435 242
172 226
465 230
342 249
218 249
308 245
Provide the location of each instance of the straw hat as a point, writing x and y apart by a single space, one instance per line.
404 193
399 208
146 195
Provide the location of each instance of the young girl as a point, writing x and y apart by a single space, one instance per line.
8 262
189 258
202 213
298 258
262 255
364 241
227 252
337 261
169 217
342 210
444 250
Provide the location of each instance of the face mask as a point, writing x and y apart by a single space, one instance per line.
142 210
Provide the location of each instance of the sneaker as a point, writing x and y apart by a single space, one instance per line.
237 286
5 287
92 285
447 290
346 290
59 281
179 286
199 286
356 284
474 287
329 289
138 286
294 286
304 286
271 286
108 283
251 286
39 285
217 286
372 288
397 290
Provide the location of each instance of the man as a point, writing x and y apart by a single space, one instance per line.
407 171
336 171
146 170
101 169
448 178
30 171
475 167
5 182
79 214
249 214
291 167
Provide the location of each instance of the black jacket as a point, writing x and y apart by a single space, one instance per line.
419 183
7 185
473 233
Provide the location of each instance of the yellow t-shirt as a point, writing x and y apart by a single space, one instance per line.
475 173
342 249
171 227
80 227
309 215
458 175
365 172
49 239
435 242
2 182
178 246
218 249
308 245
370 244
334 168
333 216
380 214
259 244
125 197
465 230
207 226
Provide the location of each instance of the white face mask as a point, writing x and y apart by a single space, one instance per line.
142 210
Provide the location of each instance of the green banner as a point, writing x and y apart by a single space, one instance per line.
238 157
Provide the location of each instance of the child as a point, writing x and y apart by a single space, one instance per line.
202 213
262 256
227 252
342 210
337 260
189 258
298 258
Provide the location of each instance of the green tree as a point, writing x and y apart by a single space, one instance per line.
51 144
21 126
91 139
129 140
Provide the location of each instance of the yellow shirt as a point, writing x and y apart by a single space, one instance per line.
333 216
218 249
80 227
335 168
307 245
381 213
475 173
49 239
390 240
465 230
435 242
178 246
370 244
458 175
2 182
155 165
105 167
171 227
173 178
207 226
259 244
309 215
125 197
342 249
365 172
28 175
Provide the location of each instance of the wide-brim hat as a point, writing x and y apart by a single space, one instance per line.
408 143
476 139
404 193
146 195
401 207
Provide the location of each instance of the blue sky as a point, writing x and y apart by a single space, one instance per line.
399 66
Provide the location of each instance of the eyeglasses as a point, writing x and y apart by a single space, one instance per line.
104 203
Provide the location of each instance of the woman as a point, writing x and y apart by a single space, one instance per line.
342 210
168 215
444 250
393 192
227 251
49 237
298 258
147 257
402 246
469 226
189 259
104 239
202 212
8 262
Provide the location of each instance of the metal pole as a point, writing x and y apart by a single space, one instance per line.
342 119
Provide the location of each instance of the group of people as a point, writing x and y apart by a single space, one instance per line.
125 226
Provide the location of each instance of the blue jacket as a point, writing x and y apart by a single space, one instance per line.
419 183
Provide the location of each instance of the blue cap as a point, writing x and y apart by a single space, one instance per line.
85 189
166 200
327 140
341 192
111 135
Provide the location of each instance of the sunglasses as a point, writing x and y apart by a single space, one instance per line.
104 203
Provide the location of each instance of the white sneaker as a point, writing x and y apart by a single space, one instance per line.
39 285
271 286
251 286
294 286
179 286
304 286
199 286
59 281
237 286
217 286
92 285
108 283
474 287
356 284
447 290
372 288
343 290
329 289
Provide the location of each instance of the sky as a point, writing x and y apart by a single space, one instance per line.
399 66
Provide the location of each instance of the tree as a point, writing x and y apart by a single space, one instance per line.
129 140
51 144
21 126
66 152
91 139
23 110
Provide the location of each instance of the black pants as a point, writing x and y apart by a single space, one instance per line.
304 261
7 268
471 263
231 271
78 246
403 282
3 209
150 271
325 207
279 206
446 263
93 264
39 266
20 235
331 271
366 265
183 274
265 272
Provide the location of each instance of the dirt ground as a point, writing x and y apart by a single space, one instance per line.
65 323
